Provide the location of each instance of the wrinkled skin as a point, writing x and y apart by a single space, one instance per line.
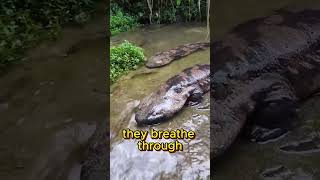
163 58
188 86
261 70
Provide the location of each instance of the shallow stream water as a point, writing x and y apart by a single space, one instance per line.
50 105
126 160
245 160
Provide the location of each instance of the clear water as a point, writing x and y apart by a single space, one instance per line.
49 106
126 160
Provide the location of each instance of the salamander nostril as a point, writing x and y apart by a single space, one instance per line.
178 89
154 113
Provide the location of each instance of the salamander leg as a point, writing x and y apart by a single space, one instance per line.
196 97
275 113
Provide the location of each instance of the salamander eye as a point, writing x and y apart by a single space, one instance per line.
177 89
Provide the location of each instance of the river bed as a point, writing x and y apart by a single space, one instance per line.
51 103
126 161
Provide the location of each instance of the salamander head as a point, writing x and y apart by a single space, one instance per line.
158 60
161 105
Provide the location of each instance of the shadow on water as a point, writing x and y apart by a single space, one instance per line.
126 160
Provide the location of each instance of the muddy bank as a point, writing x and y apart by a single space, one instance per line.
43 100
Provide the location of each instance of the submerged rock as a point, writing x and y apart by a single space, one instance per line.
276 172
303 146
63 144
283 173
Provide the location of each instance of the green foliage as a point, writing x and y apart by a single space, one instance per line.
189 10
124 58
165 11
178 2
121 22
25 22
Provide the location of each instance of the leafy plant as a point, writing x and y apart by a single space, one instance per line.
123 58
23 23
165 11
121 22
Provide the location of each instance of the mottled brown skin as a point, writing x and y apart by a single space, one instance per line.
187 86
163 58
193 81
261 70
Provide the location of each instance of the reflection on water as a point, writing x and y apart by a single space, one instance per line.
127 162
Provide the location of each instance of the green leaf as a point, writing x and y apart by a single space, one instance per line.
178 2
123 58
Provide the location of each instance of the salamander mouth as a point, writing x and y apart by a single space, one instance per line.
150 120
160 112
154 65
